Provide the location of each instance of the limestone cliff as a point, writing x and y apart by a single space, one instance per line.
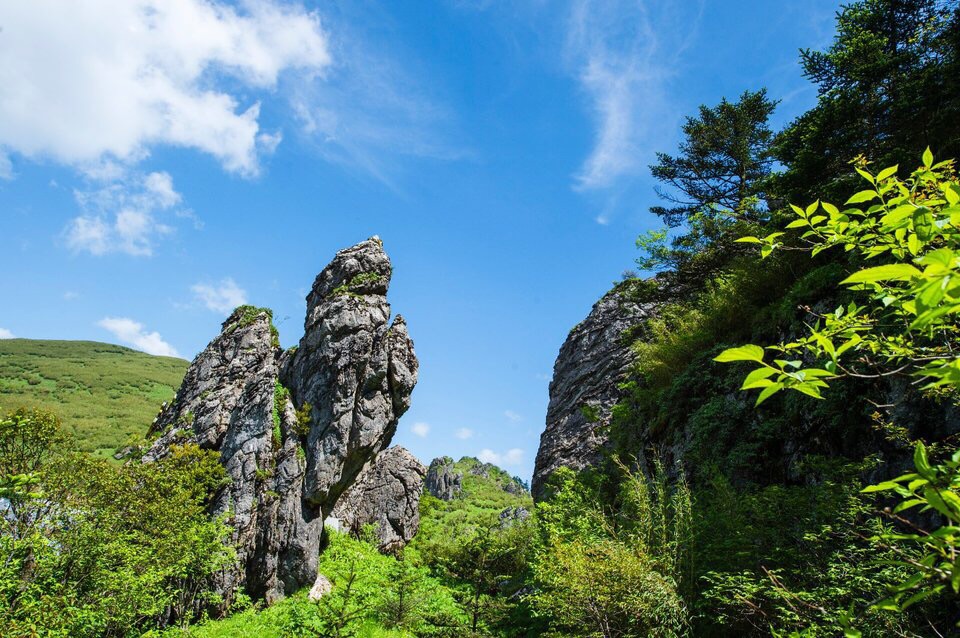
294 429
443 481
386 494
592 362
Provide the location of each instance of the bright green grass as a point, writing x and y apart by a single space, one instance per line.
105 394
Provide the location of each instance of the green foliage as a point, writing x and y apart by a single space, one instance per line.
931 488
98 550
887 87
907 322
280 396
373 595
613 574
715 182
359 282
304 419
907 325
105 394
485 562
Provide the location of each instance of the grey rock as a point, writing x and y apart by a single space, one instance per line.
593 361
442 480
386 494
513 486
512 515
352 374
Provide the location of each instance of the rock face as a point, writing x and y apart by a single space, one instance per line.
294 429
592 362
443 481
386 494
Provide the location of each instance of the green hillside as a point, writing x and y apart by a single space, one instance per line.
103 393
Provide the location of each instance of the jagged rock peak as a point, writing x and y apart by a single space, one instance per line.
386 494
443 481
294 429
354 369
592 362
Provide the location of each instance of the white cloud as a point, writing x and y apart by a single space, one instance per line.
464 433
421 429
123 216
5 334
624 54
222 297
132 332
70 295
114 78
513 416
513 456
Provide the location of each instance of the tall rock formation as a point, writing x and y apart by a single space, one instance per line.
443 480
295 428
592 362
386 494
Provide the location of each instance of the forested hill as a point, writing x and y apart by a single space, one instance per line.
105 394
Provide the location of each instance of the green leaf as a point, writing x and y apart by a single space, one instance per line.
863 196
928 158
921 463
887 172
890 272
749 240
758 376
748 352
768 392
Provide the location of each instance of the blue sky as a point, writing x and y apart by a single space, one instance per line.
161 162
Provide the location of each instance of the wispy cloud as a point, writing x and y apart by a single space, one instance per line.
421 429
222 297
123 215
511 457
464 433
371 109
132 332
624 53
114 79
513 416
6 334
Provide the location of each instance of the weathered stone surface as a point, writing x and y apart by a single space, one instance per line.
352 375
386 494
592 362
511 515
443 481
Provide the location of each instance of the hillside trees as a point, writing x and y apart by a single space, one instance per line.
888 85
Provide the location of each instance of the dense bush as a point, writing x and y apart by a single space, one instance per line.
91 549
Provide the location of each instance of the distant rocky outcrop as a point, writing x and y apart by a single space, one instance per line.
512 515
592 362
386 494
294 429
443 481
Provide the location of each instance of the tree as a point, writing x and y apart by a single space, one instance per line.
889 82
716 180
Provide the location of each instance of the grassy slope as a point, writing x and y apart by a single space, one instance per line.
104 393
